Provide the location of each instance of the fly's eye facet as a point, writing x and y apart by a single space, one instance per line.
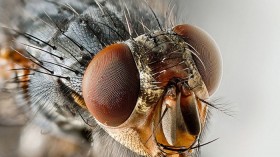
111 85
208 58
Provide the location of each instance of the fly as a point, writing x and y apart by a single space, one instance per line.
110 74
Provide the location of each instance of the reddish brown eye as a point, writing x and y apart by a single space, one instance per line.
111 85
209 63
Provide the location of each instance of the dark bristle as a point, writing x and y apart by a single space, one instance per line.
155 16
64 67
218 107
63 33
40 49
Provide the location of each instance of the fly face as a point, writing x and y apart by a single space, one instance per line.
138 87
148 93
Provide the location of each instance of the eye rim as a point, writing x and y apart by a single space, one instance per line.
114 51
211 69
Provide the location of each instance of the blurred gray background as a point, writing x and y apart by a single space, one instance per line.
248 34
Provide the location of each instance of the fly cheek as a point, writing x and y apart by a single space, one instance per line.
208 58
111 85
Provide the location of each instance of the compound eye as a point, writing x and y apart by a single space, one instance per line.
111 85
208 58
